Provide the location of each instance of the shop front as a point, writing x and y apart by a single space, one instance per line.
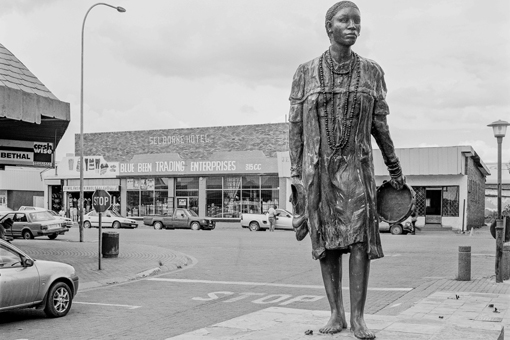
449 183
223 186
62 191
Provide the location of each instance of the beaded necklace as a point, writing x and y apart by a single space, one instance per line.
345 131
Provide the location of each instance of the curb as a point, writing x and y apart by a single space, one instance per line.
190 261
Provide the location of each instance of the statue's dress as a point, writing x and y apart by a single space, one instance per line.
340 183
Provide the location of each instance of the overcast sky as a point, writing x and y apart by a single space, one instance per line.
168 64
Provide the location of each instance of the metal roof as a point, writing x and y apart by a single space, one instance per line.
28 109
15 75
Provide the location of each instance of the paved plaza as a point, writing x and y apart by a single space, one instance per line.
442 308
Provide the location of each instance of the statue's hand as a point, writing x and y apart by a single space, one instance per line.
398 182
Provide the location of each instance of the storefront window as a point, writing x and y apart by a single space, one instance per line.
57 198
186 191
420 200
147 196
451 201
133 202
236 195
214 203
161 196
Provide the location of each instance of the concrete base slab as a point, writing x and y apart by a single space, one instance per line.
442 315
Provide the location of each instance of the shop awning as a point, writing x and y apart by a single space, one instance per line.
29 111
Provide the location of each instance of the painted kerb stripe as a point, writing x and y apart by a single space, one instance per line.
243 283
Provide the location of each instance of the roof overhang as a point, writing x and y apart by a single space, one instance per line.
31 117
468 151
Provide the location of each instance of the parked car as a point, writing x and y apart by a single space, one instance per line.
67 221
30 207
29 283
181 218
256 222
109 219
404 227
33 223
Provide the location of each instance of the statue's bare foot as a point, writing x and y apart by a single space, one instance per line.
360 329
334 325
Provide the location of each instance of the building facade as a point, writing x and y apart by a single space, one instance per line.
222 172
449 183
219 172
33 122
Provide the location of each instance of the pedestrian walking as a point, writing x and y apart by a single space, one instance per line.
271 216
414 219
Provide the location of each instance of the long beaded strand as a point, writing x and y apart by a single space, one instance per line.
345 131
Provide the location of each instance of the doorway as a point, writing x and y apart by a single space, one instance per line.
433 199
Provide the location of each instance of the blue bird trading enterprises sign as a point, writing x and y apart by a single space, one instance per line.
245 162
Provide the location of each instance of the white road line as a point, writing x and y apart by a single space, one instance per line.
242 283
107 304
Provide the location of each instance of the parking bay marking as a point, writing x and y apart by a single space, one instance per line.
268 284
107 304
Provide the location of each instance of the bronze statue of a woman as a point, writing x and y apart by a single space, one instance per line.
337 103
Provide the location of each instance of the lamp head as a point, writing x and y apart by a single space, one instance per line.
499 128
121 9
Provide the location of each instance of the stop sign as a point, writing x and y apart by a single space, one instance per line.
101 200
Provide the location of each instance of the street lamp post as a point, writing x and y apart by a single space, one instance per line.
499 128
81 200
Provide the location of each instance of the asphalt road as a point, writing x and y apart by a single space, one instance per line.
238 272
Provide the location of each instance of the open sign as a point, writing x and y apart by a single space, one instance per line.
101 200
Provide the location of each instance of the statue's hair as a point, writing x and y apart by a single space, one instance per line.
335 8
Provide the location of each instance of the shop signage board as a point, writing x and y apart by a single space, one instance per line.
101 200
246 162
36 154
94 167
91 187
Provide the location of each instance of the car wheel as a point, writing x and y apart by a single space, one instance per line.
116 225
87 224
195 226
396 229
158 225
58 301
27 235
254 226
52 236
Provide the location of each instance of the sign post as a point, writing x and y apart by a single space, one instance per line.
101 201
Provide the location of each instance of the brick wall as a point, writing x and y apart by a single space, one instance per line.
475 208
189 143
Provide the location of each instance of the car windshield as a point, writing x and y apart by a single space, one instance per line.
114 213
41 216
192 213
53 213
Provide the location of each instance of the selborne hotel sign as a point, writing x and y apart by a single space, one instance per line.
179 139
219 163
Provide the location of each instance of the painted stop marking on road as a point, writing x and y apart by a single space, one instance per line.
101 200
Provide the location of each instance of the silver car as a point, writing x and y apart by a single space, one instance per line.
109 219
26 283
256 222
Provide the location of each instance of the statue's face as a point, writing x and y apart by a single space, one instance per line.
345 26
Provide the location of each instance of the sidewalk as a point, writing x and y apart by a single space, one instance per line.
134 260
